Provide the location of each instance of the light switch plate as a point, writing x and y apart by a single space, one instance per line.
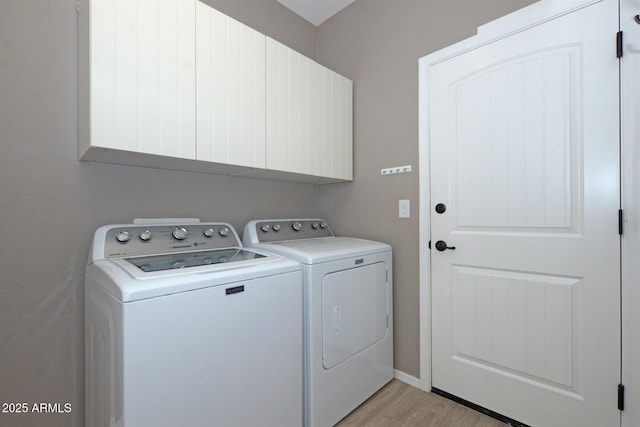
404 209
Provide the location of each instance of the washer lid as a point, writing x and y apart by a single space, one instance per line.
324 249
191 259
127 282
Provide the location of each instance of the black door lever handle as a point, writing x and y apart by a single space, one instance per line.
441 245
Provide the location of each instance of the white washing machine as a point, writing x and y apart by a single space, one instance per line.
185 327
348 312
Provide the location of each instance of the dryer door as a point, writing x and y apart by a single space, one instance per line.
354 311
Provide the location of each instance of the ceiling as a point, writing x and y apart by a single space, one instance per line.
316 11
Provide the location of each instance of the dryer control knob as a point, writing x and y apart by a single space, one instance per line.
180 233
145 235
323 225
296 226
123 236
315 225
209 232
276 227
265 227
224 232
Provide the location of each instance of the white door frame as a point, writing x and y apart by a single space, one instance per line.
630 169
520 20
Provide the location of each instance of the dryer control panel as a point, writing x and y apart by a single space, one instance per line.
277 230
140 239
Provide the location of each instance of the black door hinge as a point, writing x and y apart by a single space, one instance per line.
429 244
620 397
619 44
620 219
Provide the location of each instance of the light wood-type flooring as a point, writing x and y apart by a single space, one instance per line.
398 404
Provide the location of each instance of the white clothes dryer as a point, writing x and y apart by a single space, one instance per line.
185 327
348 314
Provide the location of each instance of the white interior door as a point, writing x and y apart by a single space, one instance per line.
524 136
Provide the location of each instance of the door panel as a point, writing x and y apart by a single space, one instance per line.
518 323
525 154
514 163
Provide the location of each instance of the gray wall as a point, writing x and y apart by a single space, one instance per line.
377 43
50 203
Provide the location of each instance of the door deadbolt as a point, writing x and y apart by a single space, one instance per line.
441 245
441 208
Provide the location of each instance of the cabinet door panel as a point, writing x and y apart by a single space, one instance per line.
143 76
230 90
309 116
337 137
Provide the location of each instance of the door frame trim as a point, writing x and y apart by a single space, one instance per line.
630 171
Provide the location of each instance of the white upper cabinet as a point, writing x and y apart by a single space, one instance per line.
176 84
140 82
309 116
230 96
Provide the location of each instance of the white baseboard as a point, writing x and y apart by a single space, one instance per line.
406 378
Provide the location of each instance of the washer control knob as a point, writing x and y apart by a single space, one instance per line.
276 227
179 264
209 232
323 225
224 232
265 227
180 233
145 235
296 226
315 225
123 236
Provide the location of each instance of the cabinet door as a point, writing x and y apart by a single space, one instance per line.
309 116
230 90
143 76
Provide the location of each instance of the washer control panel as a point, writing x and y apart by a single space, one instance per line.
139 239
279 230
